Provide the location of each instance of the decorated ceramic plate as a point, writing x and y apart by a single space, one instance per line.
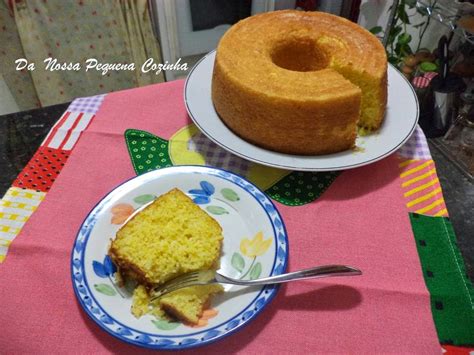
255 245
400 122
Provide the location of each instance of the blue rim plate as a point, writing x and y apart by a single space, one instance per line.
255 245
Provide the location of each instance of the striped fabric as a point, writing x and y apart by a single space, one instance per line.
423 81
15 208
421 187
430 75
66 132
37 177
420 82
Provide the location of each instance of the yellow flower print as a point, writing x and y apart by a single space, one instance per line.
255 247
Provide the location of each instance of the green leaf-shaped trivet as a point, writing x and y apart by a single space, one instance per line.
147 151
300 188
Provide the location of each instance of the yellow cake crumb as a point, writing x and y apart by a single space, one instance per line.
188 303
169 237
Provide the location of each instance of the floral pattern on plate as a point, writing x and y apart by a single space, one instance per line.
255 245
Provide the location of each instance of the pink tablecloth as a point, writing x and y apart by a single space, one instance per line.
360 220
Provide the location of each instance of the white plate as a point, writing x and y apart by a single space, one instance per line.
400 122
255 245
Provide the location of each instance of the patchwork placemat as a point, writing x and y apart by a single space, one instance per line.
452 293
171 140
36 179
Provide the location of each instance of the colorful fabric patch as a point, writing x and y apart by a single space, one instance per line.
452 293
16 206
416 147
89 104
300 188
42 170
424 80
67 130
457 350
216 156
37 177
421 187
147 151
190 146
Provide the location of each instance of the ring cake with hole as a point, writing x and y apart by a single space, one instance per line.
300 82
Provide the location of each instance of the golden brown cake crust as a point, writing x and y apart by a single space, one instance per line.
129 269
175 313
284 80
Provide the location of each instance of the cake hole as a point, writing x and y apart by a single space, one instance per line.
299 54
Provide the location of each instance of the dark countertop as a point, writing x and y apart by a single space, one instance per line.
21 134
458 194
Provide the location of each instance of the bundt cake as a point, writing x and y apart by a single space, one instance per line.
299 82
169 237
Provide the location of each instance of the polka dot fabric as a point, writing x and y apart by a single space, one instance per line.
147 151
300 188
42 170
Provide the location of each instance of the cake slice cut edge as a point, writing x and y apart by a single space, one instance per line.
189 303
169 237
186 305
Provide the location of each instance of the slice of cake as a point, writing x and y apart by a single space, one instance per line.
169 237
186 304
